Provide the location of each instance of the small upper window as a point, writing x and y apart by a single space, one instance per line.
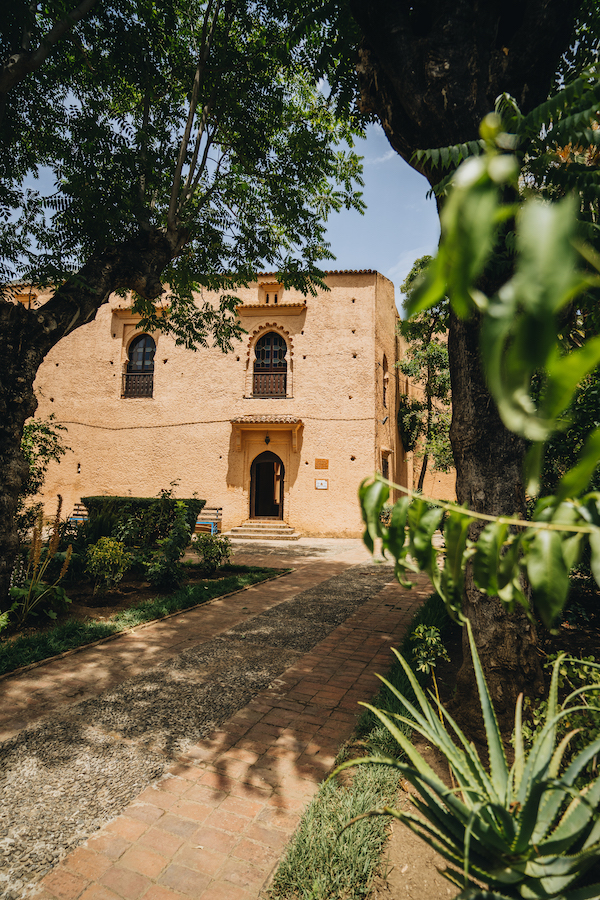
138 380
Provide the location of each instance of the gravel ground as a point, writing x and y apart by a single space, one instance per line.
66 776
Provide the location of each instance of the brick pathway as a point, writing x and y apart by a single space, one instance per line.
215 825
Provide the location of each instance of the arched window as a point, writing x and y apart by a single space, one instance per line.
138 381
270 366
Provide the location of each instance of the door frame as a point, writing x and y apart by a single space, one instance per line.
266 456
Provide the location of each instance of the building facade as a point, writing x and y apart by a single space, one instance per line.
284 427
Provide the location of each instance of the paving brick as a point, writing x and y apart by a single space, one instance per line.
64 885
172 785
202 859
127 884
144 861
186 881
214 839
183 828
157 798
110 845
189 809
130 829
158 892
97 892
144 812
244 874
242 806
227 821
222 890
255 853
205 794
87 863
276 840
162 841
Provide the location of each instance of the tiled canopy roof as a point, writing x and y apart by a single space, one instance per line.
266 420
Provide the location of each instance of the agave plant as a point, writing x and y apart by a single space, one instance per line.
522 831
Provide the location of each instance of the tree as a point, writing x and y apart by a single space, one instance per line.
190 147
41 444
430 72
426 362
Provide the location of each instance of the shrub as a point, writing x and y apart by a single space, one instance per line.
32 594
137 521
165 571
213 551
107 561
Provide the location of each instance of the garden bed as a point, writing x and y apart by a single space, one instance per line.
133 603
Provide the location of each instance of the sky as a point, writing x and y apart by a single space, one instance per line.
400 224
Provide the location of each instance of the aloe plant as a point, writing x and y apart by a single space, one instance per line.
522 831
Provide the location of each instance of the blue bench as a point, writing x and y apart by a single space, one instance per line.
79 515
210 517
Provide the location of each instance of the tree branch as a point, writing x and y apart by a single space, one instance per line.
205 50
21 64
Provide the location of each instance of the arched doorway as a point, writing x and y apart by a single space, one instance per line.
266 487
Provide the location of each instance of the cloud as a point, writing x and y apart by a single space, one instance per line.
378 160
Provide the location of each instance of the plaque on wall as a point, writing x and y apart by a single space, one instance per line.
321 463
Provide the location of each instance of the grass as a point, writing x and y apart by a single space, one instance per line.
322 861
28 649
325 862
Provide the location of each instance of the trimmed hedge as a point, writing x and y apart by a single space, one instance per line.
153 516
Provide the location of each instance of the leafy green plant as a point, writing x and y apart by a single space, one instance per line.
41 444
107 562
573 674
213 551
35 595
165 570
523 831
427 651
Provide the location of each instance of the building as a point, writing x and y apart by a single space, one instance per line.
284 427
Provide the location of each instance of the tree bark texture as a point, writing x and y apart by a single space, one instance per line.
430 71
26 336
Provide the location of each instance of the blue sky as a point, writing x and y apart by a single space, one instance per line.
400 223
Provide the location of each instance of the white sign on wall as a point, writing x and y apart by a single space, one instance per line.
321 484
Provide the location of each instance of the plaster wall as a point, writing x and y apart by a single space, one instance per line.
183 433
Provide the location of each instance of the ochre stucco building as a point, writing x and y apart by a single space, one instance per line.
284 427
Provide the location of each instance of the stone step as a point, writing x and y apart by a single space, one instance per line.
265 523
264 530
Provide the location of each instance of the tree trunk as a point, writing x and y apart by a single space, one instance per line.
430 71
27 335
489 478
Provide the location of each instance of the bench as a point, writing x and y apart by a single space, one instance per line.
79 515
210 517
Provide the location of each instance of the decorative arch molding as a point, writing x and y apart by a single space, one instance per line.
253 338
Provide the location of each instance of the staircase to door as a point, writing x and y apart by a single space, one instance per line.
264 530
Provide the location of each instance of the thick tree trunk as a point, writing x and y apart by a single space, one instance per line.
430 71
489 478
27 335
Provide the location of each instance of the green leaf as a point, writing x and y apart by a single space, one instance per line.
456 533
498 766
548 575
372 497
396 531
594 541
487 556
578 478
